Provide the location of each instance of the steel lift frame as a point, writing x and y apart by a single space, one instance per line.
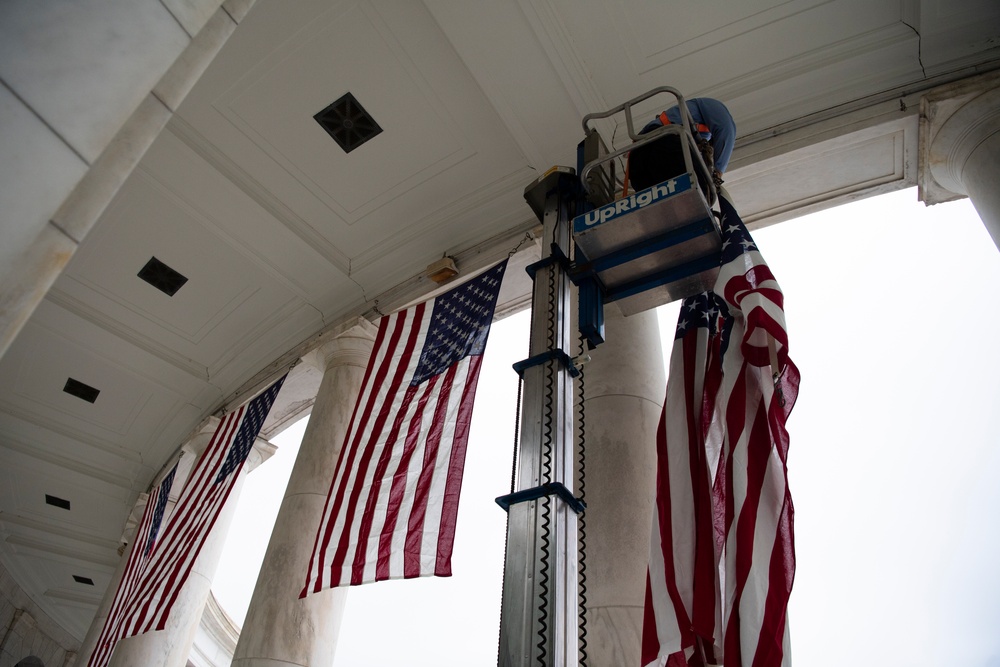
660 245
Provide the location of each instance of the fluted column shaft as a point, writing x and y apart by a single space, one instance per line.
625 387
280 629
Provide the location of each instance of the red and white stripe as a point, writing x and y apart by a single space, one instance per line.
724 422
192 520
155 591
393 502
133 569
759 550
682 611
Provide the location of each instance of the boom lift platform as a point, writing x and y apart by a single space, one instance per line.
640 250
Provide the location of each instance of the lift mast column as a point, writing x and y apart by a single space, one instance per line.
539 614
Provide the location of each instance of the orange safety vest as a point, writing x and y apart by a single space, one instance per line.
701 127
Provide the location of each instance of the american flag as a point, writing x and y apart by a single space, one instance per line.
163 575
393 501
723 502
682 592
142 544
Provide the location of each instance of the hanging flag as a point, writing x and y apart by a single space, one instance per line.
731 435
169 564
758 393
393 501
682 592
142 546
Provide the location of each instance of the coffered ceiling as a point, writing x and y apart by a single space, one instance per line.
283 236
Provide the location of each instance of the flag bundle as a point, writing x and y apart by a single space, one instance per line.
392 505
158 568
722 555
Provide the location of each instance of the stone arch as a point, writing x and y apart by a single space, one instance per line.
30 661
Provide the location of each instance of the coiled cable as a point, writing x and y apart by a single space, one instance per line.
582 518
543 574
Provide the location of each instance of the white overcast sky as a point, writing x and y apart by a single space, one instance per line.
893 313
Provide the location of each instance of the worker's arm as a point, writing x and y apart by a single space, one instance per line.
715 114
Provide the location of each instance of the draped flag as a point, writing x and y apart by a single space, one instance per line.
152 595
682 581
142 546
722 555
393 501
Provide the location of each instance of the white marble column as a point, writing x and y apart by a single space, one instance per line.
171 646
625 386
280 629
960 146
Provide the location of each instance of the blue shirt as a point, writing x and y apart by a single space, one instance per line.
714 115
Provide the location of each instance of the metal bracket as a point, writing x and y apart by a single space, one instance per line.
590 313
557 256
547 489
544 357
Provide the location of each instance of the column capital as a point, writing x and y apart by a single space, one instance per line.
955 120
262 451
132 522
350 347
199 440
192 450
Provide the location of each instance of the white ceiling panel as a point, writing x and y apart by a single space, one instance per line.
144 407
755 60
442 144
219 283
51 579
24 494
510 60
243 222
457 230
887 57
654 36
359 54
161 367
110 465
957 33
215 314
127 404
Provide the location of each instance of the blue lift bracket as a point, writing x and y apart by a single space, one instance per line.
544 357
547 489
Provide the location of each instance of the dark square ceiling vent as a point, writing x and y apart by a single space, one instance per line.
348 123
83 580
56 501
162 277
81 390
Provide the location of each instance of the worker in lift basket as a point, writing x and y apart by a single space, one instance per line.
715 133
